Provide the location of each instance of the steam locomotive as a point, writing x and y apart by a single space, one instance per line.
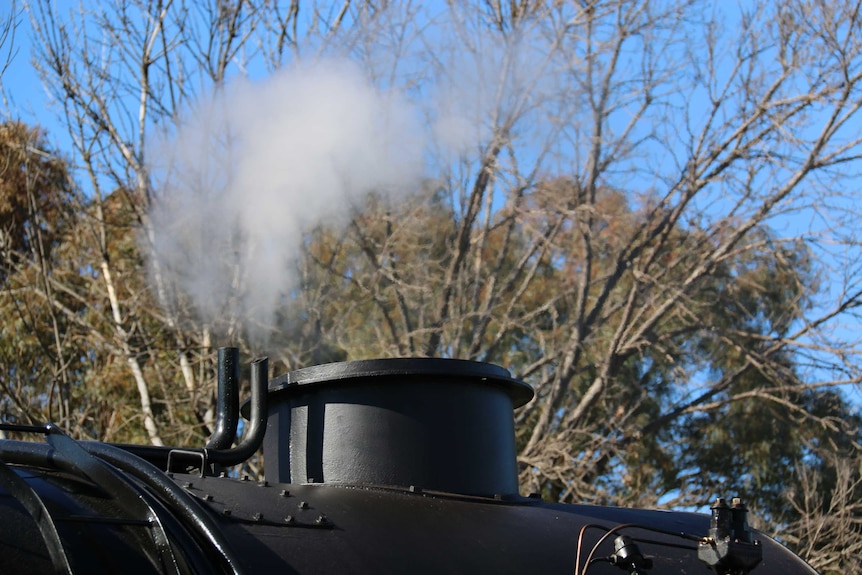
378 466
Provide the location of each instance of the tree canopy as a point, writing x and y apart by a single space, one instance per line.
643 209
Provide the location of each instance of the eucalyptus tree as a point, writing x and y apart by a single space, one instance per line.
644 209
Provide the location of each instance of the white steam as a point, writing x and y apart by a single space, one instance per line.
258 164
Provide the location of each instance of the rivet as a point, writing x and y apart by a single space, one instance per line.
264 483
285 493
321 520
226 512
223 474
188 484
257 516
245 477
208 497
303 505
414 489
289 519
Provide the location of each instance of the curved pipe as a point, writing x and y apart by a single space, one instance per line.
174 497
23 493
257 420
183 505
227 417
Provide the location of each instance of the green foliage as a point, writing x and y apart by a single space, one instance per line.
605 232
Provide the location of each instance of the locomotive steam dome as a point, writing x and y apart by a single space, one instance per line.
435 424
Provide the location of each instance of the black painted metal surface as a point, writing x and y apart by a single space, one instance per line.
227 417
436 424
439 429
319 529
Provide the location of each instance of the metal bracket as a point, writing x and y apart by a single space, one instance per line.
185 461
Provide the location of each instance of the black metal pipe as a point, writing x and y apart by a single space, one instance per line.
253 436
184 506
21 491
125 494
43 429
227 406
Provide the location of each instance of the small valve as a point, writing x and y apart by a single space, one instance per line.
628 556
729 548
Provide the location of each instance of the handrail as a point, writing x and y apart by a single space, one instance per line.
29 498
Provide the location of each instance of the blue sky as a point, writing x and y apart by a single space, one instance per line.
25 99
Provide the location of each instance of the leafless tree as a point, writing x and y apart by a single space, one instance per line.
645 209
826 532
7 36
119 73
676 172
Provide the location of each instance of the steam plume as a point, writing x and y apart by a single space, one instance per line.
257 164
